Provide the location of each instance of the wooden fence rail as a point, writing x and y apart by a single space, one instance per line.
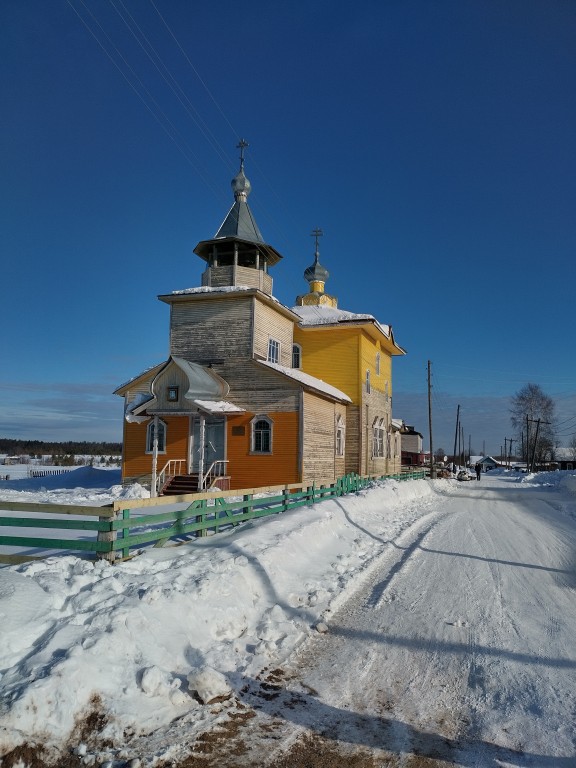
115 531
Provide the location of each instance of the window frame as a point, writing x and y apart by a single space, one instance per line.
273 350
377 366
340 437
297 352
378 438
162 432
172 388
367 382
256 434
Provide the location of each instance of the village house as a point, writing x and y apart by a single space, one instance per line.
413 453
254 393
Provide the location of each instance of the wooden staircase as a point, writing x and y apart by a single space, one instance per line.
180 484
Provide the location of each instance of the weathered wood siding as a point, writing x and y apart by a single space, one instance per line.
319 458
257 388
249 470
353 442
137 462
268 323
171 376
218 277
211 329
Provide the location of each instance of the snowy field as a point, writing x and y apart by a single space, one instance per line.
158 650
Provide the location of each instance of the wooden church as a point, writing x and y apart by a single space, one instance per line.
255 393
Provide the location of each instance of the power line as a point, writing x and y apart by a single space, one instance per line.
155 110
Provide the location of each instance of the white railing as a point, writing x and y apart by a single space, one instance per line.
170 469
216 469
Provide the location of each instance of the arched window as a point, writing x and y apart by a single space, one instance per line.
378 434
340 435
296 356
261 438
368 388
161 437
377 363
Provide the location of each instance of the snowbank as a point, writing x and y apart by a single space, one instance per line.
147 640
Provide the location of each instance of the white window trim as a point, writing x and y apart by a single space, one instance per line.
253 422
340 436
297 348
149 429
273 344
377 363
378 438
368 386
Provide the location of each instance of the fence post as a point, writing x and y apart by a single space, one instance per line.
202 504
125 534
311 493
109 536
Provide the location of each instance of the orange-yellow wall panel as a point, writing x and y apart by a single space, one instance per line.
252 470
137 461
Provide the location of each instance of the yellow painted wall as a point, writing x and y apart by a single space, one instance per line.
369 348
331 355
341 356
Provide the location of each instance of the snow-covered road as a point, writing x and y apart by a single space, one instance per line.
419 624
460 648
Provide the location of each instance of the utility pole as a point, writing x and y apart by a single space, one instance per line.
505 451
538 422
456 435
432 470
510 441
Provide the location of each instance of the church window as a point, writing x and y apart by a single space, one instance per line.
172 394
368 387
161 437
377 363
261 435
296 356
273 350
378 438
340 436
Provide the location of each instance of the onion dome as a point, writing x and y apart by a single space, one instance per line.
316 272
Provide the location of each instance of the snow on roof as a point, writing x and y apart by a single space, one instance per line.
322 315
218 289
307 380
218 406
142 373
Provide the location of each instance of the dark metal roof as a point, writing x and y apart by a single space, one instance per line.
240 223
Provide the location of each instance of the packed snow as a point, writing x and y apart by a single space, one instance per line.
170 638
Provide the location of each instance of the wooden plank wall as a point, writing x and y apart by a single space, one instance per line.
270 323
211 329
319 449
331 355
137 462
253 470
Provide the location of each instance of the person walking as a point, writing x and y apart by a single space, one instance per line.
478 470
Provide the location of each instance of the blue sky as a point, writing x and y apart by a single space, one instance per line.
432 141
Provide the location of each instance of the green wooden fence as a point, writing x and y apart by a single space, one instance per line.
125 526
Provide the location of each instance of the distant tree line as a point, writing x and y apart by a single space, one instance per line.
41 448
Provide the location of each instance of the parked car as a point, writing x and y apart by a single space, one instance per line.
463 475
